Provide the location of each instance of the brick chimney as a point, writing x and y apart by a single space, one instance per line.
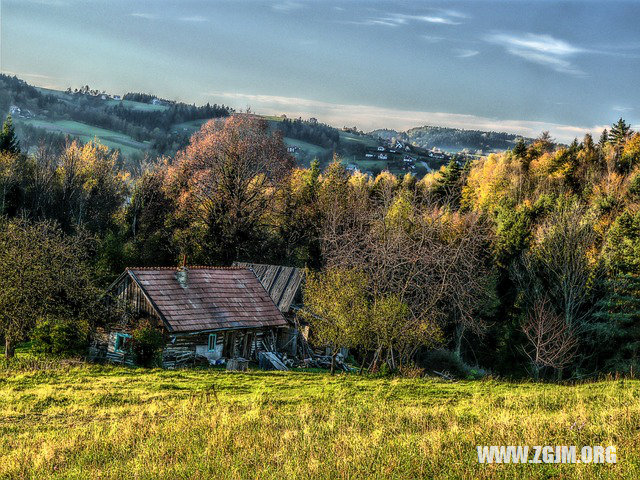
182 274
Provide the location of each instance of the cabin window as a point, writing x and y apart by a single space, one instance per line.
213 338
122 339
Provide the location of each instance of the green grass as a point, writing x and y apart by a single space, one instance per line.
191 126
107 422
69 98
131 105
367 140
87 133
307 147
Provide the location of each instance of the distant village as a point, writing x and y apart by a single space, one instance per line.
404 156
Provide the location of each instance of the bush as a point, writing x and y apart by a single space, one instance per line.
59 336
445 361
147 343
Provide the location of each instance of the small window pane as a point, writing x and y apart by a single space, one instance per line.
121 341
212 342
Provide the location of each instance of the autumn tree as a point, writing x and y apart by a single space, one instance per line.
336 307
224 183
551 341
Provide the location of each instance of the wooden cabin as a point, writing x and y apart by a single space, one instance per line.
204 312
284 285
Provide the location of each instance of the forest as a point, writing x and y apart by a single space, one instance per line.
521 264
453 138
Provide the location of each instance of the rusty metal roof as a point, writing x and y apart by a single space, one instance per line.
282 283
211 299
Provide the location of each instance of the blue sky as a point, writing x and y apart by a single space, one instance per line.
519 66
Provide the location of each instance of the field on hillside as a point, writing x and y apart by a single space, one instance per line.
91 421
87 133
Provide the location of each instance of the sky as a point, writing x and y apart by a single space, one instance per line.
515 66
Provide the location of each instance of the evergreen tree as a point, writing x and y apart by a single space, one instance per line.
520 149
620 132
604 138
8 140
587 143
621 314
449 186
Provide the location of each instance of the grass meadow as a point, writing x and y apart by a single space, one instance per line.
87 133
105 422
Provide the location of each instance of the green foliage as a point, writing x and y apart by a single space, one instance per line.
147 344
621 252
8 140
336 307
60 337
45 275
449 186
444 362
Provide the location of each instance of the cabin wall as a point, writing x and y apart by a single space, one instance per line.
98 345
129 294
183 349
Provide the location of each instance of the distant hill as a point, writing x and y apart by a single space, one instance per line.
452 139
142 125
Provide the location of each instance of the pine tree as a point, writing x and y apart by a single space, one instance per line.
620 311
604 138
587 143
620 132
449 186
520 149
8 140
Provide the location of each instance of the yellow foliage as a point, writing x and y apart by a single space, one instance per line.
490 180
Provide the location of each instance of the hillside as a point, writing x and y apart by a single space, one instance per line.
115 422
136 124
142 125
453 139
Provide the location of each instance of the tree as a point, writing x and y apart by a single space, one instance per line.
630 156
449 186
336 307
520 148
619 133
224 184
8 140
45 276
604 138
552 343
620 310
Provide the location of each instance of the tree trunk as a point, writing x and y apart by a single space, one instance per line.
459 335
333 361
535 369
9 349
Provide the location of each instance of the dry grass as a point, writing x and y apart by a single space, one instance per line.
110 422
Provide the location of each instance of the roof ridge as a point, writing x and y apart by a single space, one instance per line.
191 267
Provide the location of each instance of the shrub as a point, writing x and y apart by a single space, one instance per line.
59 336
147 344
444 361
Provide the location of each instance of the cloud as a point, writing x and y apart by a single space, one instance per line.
620 109
194 19
432 38
51 3
44 81
369 117
147 16
441 17
464 53
544 50
286 7
426 18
